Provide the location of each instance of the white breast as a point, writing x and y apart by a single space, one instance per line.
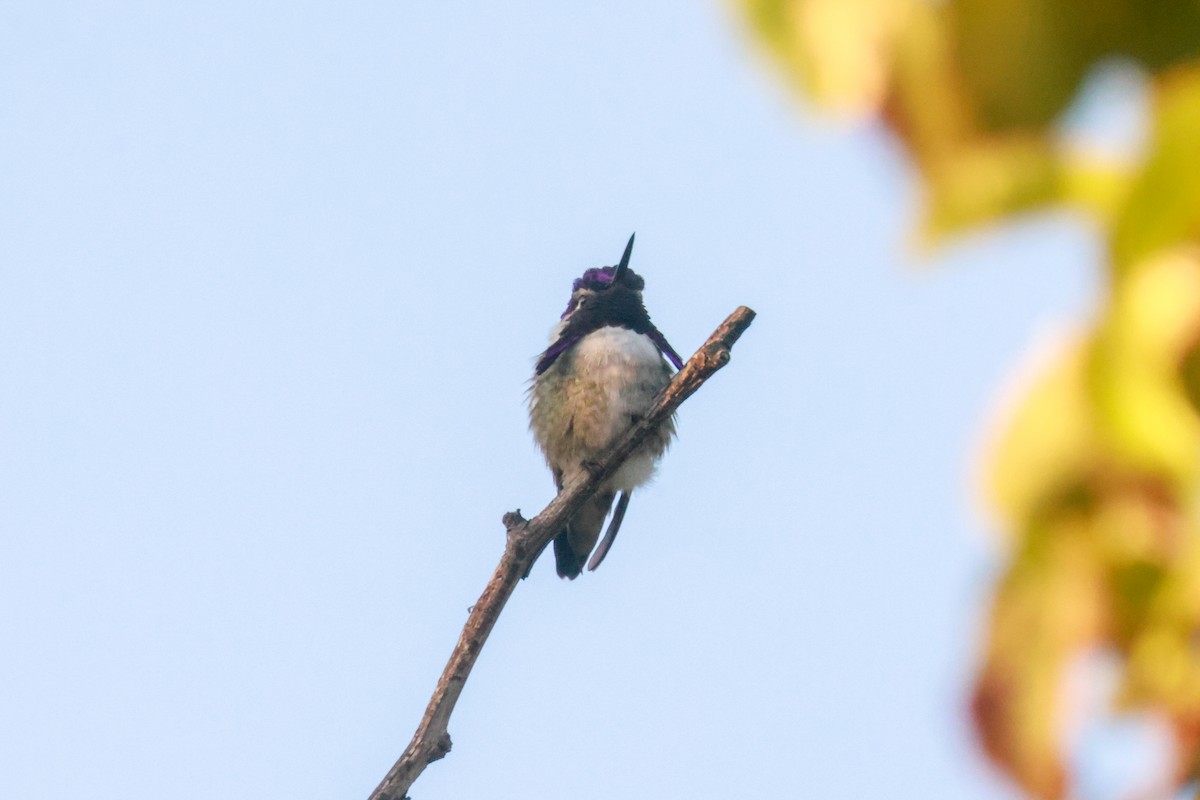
628 369
615 349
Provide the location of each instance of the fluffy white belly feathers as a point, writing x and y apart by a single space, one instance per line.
600 387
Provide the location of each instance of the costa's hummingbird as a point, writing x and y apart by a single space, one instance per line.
604 367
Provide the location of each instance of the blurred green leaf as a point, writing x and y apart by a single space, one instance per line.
1153 319
1163 206
1048 609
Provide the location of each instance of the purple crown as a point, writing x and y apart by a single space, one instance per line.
601 278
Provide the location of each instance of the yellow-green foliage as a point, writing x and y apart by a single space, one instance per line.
1095 473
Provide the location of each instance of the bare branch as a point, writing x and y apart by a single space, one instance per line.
527 539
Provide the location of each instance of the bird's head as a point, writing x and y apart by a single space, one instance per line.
605 296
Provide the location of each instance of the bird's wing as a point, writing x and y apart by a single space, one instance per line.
664 346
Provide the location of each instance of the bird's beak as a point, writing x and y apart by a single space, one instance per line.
624 265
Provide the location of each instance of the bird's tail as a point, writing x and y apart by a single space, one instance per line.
571 547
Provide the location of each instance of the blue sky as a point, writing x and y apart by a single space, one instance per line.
274 276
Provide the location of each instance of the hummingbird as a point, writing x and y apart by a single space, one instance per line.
605 366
